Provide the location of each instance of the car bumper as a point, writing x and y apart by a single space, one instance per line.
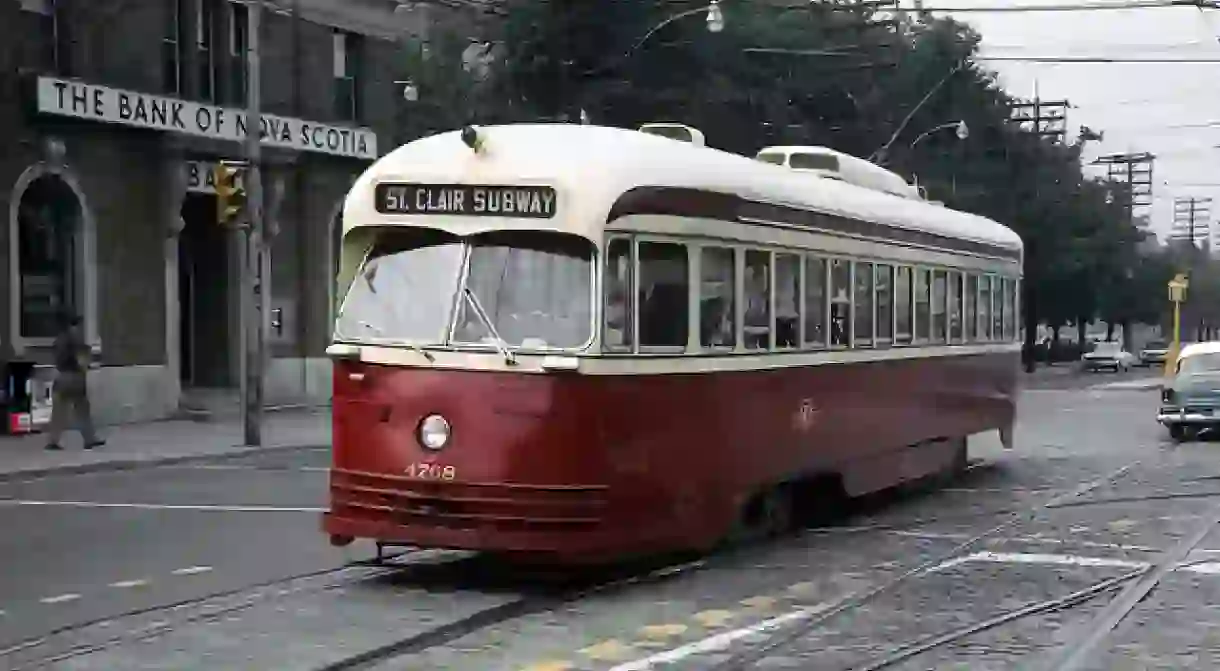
1192 418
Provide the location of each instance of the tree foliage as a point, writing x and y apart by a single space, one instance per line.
842 75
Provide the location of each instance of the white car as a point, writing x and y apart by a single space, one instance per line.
1108 356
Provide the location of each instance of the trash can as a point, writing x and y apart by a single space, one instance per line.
27 397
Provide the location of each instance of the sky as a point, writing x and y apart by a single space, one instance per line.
1162 108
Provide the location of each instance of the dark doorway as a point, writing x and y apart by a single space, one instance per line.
203 294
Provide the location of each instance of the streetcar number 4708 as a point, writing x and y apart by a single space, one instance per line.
430 472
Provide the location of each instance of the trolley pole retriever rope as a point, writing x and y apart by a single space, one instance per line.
255 266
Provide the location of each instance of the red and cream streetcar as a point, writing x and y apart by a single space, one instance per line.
586 343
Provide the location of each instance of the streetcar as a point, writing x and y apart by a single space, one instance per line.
585 344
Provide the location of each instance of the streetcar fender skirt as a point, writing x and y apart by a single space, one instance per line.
890 468
1007 439
577 547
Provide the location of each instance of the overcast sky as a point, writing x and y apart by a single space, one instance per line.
1162 108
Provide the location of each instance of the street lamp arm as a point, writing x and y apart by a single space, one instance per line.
928 132
706 9
881 151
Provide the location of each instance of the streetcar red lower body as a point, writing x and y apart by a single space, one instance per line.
589 468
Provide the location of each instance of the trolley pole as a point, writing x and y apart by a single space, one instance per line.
255 262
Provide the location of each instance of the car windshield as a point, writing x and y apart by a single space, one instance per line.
1200 363
404 290
535 287
1107 348
1157 344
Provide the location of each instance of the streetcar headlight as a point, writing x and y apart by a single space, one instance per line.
434 432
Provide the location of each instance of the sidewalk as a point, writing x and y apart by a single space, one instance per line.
174 441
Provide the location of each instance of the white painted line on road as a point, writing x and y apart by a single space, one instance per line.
1035 558
192 570
1032 540
719 641
1205 568
164 506
129 583
255 467
62 598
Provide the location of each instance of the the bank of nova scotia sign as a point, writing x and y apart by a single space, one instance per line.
81 100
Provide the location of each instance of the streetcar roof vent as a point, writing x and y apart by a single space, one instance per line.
675 131
828 163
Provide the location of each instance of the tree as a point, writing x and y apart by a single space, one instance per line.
837 74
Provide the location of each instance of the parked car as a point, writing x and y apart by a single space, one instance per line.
1190 400
1108 356
1154 353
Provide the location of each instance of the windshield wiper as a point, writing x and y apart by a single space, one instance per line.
491 328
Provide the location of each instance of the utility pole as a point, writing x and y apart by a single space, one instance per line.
1191 221
255 267
1134 170
1042 120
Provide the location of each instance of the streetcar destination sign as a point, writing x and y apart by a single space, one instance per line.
528 202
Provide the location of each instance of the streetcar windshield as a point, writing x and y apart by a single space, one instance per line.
535 287
404 290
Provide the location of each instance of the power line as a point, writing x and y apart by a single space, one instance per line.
1075 7
1093 59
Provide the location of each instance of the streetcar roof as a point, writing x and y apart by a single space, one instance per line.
591 167
1194 349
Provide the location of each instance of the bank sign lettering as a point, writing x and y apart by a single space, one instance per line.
201 177
100 103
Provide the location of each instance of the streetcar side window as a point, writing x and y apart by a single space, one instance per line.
984 307
885 306
955 307
717 298
971 320
902 306
840 302
787 300
863 296
619 315
815 301
663 295
923 282
997 309
757 300
1014 302
938 306
1010 316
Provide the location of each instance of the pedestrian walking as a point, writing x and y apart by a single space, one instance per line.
70 395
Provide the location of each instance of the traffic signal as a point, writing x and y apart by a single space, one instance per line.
230 196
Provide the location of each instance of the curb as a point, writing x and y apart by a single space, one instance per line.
133 464
1129 386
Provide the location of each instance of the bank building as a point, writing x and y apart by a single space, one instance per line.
114 113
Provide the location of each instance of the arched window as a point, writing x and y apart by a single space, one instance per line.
48 225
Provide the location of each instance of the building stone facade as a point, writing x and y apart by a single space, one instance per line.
113 114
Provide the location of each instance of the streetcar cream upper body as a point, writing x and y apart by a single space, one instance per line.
590 167
569 179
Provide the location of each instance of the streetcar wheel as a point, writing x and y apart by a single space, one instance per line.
777 512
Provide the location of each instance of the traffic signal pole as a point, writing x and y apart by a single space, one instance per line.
256 261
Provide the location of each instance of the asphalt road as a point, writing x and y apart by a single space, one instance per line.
89 546
1136 496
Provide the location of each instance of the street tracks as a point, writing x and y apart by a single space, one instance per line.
855 601
505 593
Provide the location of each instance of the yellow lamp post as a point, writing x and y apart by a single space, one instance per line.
1177 294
